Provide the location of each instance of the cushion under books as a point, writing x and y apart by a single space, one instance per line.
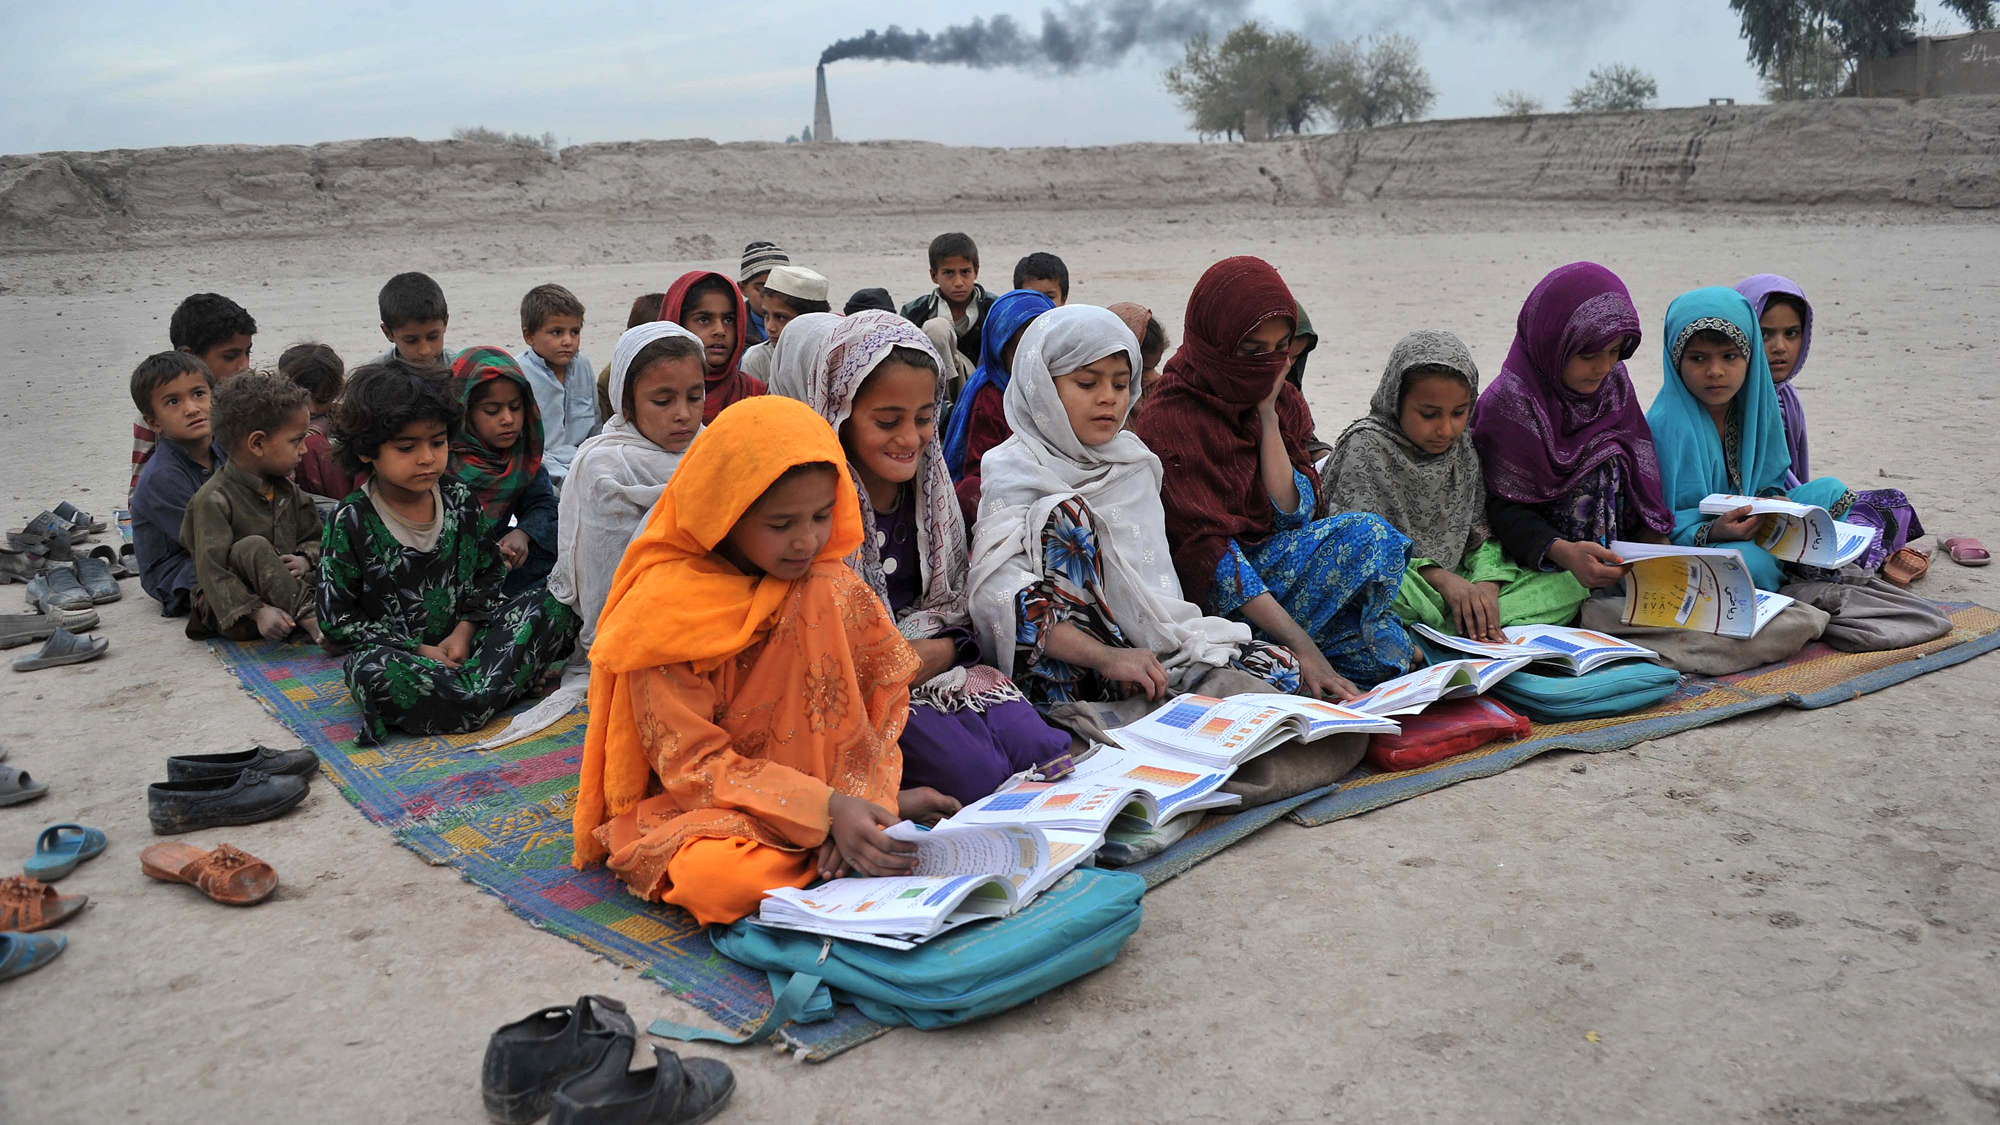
1073 928
1445 730
1615 689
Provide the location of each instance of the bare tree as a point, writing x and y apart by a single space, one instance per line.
1517 103
1383 84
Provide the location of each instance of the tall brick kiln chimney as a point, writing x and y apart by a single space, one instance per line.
822 115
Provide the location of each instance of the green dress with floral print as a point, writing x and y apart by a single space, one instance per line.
380 601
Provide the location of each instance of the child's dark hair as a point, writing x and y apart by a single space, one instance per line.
713 283
798 305
254 401
411 298
317 368
545 301
645 309
381 399
954 245
669 348
1708 337
159 369
804 468
1424 371
1152 345
1795 303
1041 266
911 357
207 319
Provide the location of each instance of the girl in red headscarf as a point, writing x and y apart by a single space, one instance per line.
710 305
1240 492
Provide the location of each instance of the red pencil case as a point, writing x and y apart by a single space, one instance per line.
1445 730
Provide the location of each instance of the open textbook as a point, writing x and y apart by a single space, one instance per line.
1575 651
1706 589
1225 733
1800 533
964 873
1448 679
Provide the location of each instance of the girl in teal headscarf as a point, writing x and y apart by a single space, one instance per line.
1717 427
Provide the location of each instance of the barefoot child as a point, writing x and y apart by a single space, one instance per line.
1241 487
879 386
710 306
1073 586
657 380
1785 319
216 331
409 583
496 452
1566 452
747 688
559 373
1411 462
253 534
172 391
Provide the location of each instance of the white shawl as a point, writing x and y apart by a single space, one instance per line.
1024 478
796 355
612 485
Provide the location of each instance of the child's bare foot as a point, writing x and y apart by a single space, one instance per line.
311 626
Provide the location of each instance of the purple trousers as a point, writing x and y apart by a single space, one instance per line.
967 754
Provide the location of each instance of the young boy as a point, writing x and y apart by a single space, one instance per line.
552 325
790 292
414 317
759 259
171 390
318 369
213 329
1045 274
253 534
958 296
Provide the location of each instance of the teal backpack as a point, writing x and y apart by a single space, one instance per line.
1615 689
1073 928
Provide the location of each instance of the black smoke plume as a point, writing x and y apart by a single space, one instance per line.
1077 37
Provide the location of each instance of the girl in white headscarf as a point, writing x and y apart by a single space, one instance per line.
793 362
1073 583
656 398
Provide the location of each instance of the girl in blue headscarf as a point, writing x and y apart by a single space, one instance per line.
1717 427
978 421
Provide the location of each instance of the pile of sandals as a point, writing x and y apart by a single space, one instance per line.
67 580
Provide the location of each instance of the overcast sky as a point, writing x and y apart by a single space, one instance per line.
134 73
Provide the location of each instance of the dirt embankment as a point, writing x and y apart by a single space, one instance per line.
1938 153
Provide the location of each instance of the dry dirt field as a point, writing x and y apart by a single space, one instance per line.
1793 917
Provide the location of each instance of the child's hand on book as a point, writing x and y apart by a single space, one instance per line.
1137 669
1318 680
864 848
1593 564
1475 606
1734 525
925 805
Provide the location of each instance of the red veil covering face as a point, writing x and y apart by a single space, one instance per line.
731 384
1202 419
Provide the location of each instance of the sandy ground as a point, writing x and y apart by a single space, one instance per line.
1794 917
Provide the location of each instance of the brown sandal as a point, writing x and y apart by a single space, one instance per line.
1907 566
227 875
27 905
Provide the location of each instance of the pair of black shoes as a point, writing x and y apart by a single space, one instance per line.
220 790
570 1062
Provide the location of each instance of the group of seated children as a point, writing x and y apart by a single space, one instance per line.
753 523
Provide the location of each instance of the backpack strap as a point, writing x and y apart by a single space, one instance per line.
790 1001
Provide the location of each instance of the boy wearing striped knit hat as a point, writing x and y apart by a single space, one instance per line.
759 258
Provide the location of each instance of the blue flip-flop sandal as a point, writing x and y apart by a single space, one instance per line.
24 953
60 848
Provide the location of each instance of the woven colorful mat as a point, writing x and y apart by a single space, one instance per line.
501 817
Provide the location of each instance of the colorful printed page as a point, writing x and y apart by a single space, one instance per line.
1575 651
1705 589
1800 533
1015 852
909 908
1450 679
1225 733
1074 803
1177 786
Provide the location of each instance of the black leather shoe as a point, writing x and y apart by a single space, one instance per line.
671 1092
195 767
527 1059
242 798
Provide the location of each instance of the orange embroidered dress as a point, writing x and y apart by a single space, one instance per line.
725 709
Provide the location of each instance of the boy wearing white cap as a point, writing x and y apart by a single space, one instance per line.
789 292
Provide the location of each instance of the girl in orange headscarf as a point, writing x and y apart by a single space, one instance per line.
748 689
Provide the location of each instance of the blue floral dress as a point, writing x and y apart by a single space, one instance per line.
1337 576
1074 593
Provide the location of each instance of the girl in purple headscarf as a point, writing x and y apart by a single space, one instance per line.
1786 318
1566 452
